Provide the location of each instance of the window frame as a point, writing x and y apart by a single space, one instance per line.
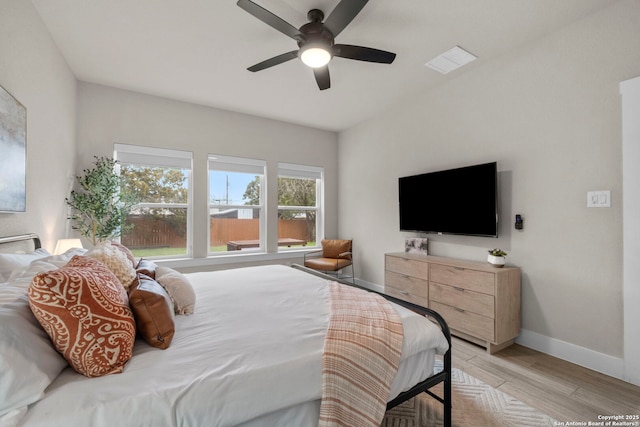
222 163
294 170
137 155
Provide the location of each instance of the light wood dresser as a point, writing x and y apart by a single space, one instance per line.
481 303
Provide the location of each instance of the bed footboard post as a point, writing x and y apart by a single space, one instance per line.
447 389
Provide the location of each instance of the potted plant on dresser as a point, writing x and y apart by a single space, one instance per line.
496 257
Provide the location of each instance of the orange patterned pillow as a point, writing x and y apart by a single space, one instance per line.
85 310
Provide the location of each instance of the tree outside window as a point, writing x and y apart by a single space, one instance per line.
297 210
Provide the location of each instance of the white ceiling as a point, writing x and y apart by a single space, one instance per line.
198 50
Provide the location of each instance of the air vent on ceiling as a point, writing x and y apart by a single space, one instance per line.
450 60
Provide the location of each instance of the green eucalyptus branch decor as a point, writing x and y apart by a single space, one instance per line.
497 252
99 208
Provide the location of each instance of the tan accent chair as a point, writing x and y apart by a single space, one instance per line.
334 256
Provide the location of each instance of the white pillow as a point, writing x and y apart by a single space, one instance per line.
9 263
115 260
56 260
179 289
28 360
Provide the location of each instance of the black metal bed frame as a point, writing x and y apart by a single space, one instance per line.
443 376
22 237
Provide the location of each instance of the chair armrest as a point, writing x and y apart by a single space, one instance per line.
312 254
347 255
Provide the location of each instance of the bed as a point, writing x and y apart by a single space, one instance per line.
249 355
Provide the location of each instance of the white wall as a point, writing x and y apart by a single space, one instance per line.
549 113
107 115
34 72
630 91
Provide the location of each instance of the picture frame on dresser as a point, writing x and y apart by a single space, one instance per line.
418 245
13 146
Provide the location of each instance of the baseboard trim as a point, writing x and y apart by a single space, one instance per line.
600 362
369 285
591 359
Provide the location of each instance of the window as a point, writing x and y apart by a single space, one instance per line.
161 180
236 204
300 194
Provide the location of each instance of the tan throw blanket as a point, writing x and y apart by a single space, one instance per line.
361 355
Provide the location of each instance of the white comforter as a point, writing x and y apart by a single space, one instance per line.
250 353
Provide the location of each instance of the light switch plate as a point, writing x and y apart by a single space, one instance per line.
599 199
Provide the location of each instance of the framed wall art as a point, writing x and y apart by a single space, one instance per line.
13 154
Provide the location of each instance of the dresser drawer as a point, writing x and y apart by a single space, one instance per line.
474 302
410 284
473 280
408 267
406 296
464 321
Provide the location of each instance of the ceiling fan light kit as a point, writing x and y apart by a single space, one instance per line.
316 39
315 56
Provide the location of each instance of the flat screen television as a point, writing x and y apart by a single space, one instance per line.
453 201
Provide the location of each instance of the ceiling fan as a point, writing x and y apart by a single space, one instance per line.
316 39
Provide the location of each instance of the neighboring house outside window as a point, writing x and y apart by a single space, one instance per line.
161 178
236 205
300 196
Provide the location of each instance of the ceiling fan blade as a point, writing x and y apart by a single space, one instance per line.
322 77
361 53
274 61
343 14
270 19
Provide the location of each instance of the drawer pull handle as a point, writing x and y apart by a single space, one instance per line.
404 276
459 309
404 292
458 289
458 268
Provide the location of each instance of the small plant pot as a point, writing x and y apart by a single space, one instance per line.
496 261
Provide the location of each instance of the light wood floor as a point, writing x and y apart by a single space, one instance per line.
555 387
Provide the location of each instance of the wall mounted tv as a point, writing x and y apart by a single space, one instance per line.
453 201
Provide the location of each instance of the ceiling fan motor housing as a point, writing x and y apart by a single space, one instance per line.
315 32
